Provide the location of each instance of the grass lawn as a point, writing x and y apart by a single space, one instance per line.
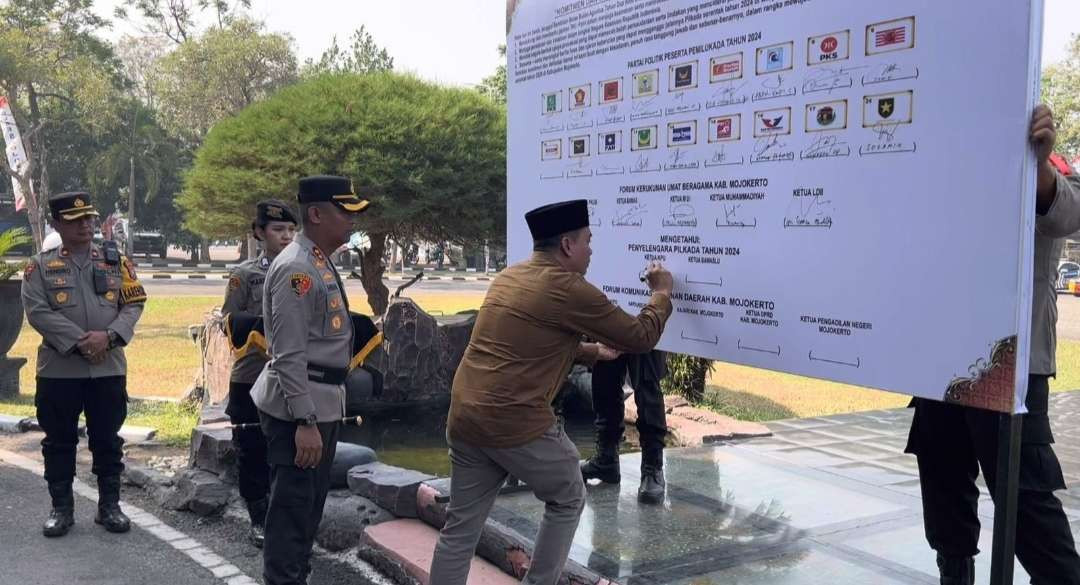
753 394
162 361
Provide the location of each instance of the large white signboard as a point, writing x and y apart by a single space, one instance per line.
842 188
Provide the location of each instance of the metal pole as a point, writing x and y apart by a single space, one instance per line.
1008 481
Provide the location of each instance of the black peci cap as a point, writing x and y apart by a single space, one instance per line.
558 218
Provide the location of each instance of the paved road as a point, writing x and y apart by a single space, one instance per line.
88 554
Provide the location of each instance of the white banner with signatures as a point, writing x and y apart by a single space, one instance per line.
843 189
16 156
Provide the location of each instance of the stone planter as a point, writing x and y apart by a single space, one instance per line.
11 320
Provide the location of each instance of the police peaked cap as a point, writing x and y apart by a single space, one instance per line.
71 206
331 189
558 218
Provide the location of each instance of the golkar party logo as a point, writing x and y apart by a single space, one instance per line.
828 48
579 97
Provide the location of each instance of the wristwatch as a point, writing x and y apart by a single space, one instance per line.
308 421
114 338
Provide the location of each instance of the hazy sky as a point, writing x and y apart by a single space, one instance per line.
454 41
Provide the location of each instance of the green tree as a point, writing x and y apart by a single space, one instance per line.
60 79
223 71
434 156
362 56
176 19
1061 91
494 85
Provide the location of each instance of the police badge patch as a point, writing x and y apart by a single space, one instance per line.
301 283
30 267
234 283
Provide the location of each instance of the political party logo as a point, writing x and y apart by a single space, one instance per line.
775 58
579 146
610 91
644 138
828 48
611 142
646 83
772 122
551 150
683 76
892 35
725 128
682 133
579 97
551 103
826 116
889 108
726 68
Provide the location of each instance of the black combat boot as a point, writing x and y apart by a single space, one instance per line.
652 486
62 516
604 465
257 512
956 570
109 514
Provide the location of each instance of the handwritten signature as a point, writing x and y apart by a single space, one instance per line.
826 145
813 212
829 78
767 146
886 131
631 216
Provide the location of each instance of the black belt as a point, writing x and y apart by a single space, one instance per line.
326 374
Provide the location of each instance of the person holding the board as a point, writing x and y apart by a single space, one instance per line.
951 441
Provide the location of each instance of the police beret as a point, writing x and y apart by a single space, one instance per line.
558 218
273 210
332 189
71 206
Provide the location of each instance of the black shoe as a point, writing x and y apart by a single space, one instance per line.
112 518
62 516
652 486
257 513
109 514
956 570
603 466
59 523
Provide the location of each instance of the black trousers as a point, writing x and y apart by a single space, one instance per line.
952 442
59 403
645 371
296 501
253 472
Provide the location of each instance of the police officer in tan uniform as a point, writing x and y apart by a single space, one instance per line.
275 227
84 300
300 393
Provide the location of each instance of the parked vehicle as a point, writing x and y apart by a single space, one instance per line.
1069 277
150 243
